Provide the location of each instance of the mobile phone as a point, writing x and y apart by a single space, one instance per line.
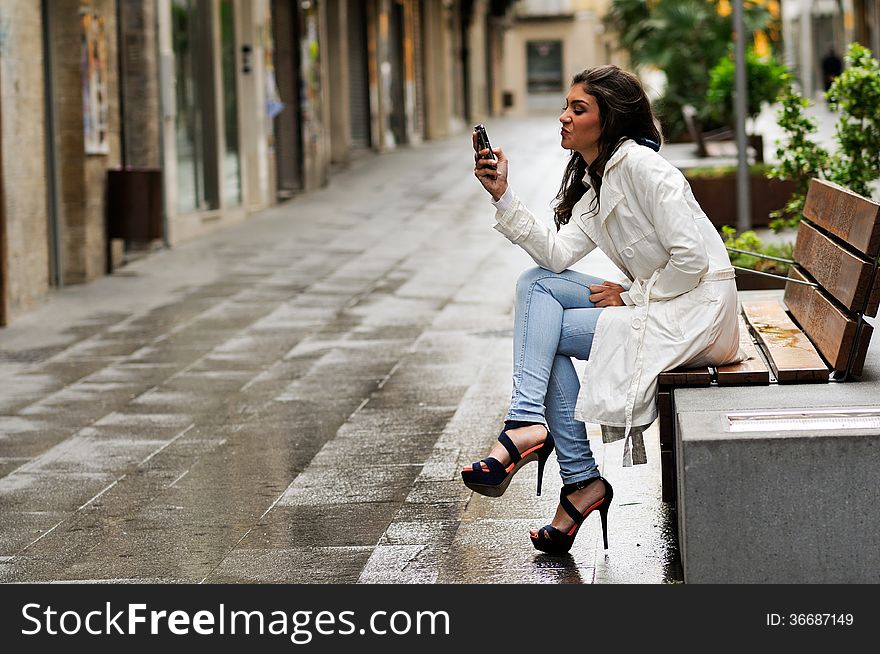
483 140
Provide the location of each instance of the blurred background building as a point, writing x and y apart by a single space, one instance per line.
127 125
813 28
547 42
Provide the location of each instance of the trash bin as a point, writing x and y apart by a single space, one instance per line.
134 204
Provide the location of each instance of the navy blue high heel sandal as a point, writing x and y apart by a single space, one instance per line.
494 481
554 541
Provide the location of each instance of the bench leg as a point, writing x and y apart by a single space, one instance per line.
666 416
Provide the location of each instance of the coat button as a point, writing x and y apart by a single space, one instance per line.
628 251
637 323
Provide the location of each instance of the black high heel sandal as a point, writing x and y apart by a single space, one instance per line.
554 541
494 481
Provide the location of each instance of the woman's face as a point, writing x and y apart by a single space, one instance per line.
580 123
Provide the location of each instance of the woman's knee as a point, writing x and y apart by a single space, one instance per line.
529 278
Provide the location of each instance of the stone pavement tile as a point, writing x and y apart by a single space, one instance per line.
166 318
249 350
21 435
429 402
387 439
321 525
431 510
229 315
328 485
44 494
21 527
499 552
190 337
148 551
380 309
10 464
475 319
273 379
430 492
410 551
335 382
148 423
54 383
86 454
100 346
416 542
398 564
23 388
636 554
209 383
146 374
167 353
269 294
382 332
306 565
295 317
83 535
641 528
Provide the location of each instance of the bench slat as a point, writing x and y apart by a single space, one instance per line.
849 216
844 275
751 371
828 327
790 353
874 300
686 377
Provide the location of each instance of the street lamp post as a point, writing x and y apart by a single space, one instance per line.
743 196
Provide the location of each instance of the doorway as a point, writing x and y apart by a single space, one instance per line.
288 125
197 183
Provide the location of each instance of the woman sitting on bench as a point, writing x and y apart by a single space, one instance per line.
620 195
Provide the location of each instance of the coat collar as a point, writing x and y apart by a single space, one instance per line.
625 147
611 194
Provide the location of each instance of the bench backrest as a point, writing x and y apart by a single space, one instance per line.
837 247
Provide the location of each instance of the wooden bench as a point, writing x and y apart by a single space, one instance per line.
702 139
817 333
718 142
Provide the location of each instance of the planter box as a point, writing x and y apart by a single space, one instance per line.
717 196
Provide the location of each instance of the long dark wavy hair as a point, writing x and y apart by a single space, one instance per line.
624 112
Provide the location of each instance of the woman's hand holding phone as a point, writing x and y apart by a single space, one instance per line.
492 173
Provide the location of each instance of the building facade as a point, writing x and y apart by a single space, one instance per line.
548 42
129 124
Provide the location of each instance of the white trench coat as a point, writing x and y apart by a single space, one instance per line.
681 304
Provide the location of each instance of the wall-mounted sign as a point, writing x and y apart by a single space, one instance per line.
94 82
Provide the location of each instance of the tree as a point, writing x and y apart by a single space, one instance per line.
684 39
765 80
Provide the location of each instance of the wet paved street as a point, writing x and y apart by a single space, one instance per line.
291 400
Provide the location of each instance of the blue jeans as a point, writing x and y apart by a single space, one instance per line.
555 321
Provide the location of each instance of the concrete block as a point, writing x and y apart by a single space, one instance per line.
777 507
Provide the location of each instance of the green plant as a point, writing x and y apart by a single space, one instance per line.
856 161
765 79
800 159
751 242
682 38
856 94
